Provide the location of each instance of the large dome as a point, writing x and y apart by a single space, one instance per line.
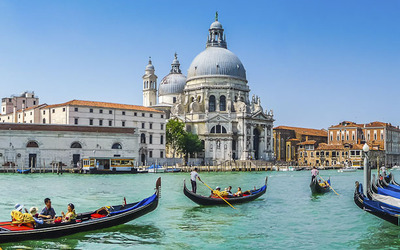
216 61
172 84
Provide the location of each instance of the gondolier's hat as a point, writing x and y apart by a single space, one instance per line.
19 207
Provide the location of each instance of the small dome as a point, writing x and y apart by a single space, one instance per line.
172 84
216 25
150 65
216 61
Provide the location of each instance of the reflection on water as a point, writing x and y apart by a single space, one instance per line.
122 236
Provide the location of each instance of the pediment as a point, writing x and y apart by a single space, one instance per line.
218 118
260 115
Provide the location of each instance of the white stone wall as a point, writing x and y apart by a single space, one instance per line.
55 146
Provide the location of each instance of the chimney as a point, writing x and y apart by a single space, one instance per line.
15 114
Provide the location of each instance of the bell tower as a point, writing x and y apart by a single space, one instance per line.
149 86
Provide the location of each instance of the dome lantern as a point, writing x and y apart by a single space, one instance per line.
216 36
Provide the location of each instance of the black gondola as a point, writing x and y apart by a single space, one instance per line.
316 188
101 218
203 200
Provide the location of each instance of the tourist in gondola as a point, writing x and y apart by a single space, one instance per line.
47 212
239 192
16 214
314 173
70 215
229 190
193 176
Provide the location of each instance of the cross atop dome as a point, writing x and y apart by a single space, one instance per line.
216 36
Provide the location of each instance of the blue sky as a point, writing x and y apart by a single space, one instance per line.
315 63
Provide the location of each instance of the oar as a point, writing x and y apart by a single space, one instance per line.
219 195
328 184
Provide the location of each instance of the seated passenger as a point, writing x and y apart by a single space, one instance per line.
16 214
34 212
239 192
47 212
216 192
70 215
21 218
229 190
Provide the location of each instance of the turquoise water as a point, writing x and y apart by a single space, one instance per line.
287 216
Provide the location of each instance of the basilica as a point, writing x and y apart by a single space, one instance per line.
214 102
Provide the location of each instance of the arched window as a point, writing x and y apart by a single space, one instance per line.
142 138
222 103
211 104
116 146
191 99
44 120
32 144
218 129
76 145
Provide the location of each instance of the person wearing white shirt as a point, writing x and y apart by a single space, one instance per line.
193 176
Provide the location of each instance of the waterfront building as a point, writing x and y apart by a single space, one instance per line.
42 146
287 139
149 122
214 102
345 142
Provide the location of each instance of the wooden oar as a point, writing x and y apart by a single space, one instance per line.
219 195
328 184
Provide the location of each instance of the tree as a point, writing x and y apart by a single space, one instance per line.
191 145
175 133
180 141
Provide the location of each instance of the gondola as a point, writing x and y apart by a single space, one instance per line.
101 218
316 188
380 209
203 200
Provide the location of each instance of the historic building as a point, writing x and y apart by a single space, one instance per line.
214 102
149 122
345 142
287 139
41 145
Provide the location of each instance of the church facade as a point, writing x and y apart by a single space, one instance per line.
214 102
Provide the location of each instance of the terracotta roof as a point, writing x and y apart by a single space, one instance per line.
65 128
310 142
324 146
357 146
104 105
33 107
377 124
346 124
305 131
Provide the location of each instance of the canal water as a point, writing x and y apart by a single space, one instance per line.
286 217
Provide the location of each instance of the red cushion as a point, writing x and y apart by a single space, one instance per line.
96 216
17 228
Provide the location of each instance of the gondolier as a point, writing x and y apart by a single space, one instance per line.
314 173
193 176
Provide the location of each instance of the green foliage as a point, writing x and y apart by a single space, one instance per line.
175 133
192 144
181 141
